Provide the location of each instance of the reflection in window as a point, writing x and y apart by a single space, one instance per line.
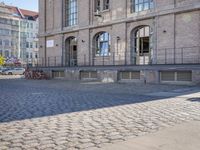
97 5
106 4
102 42
71 12
6 42
6 53
27 44
140 5
27 55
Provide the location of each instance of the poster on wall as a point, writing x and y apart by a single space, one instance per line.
50 43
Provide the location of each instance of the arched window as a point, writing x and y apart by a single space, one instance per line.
142 40
106 4
71 51
102 44
71 12
140 5
97 5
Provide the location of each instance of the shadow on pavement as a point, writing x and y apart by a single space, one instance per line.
32 99
196 99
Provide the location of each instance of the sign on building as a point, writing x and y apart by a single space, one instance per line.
50 43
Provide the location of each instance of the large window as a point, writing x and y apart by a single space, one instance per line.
101 3
6 53
6 42
71 12
140 5
97 5
142 40
106 4
102 44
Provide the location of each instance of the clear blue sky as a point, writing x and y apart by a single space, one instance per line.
25 4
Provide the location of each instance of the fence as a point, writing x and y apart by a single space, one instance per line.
184 55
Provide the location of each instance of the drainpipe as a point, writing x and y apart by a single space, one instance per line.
45 18
174 33
62 24
174 3
90 47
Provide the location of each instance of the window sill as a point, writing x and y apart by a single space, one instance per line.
106 10
103 11
143 12
70 27
98 56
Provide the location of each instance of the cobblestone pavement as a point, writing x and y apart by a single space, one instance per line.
83 115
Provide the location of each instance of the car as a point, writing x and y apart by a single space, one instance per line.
2 69
14 71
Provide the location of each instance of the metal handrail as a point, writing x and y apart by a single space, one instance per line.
164 56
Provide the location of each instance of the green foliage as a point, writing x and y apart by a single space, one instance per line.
2 60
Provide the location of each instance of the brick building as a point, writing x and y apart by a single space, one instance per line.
119 32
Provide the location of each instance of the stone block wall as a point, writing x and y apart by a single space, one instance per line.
174 24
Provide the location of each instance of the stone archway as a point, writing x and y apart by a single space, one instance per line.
141 45
71 54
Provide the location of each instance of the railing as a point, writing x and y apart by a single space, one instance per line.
184 55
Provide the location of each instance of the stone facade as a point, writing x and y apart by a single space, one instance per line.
9 33
174 25
18 34
169 29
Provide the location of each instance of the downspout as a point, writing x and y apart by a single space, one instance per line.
62 24
126 10
45 18
174 33
90 21
155 34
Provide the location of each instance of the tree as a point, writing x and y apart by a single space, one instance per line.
2 60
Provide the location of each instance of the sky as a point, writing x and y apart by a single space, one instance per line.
24 4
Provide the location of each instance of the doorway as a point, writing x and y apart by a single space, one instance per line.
141 44
71 52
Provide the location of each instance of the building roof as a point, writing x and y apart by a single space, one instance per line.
23 13
14 11
29 13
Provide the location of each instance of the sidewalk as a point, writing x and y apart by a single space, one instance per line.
180 137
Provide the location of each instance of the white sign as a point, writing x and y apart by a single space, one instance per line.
50 43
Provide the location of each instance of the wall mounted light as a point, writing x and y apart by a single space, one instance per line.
56 44
164 31
118 38
83 41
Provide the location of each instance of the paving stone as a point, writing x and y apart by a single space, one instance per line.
72 115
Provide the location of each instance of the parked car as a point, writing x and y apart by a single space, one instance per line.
14 71
2 69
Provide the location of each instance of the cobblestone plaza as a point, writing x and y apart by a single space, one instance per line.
82 115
